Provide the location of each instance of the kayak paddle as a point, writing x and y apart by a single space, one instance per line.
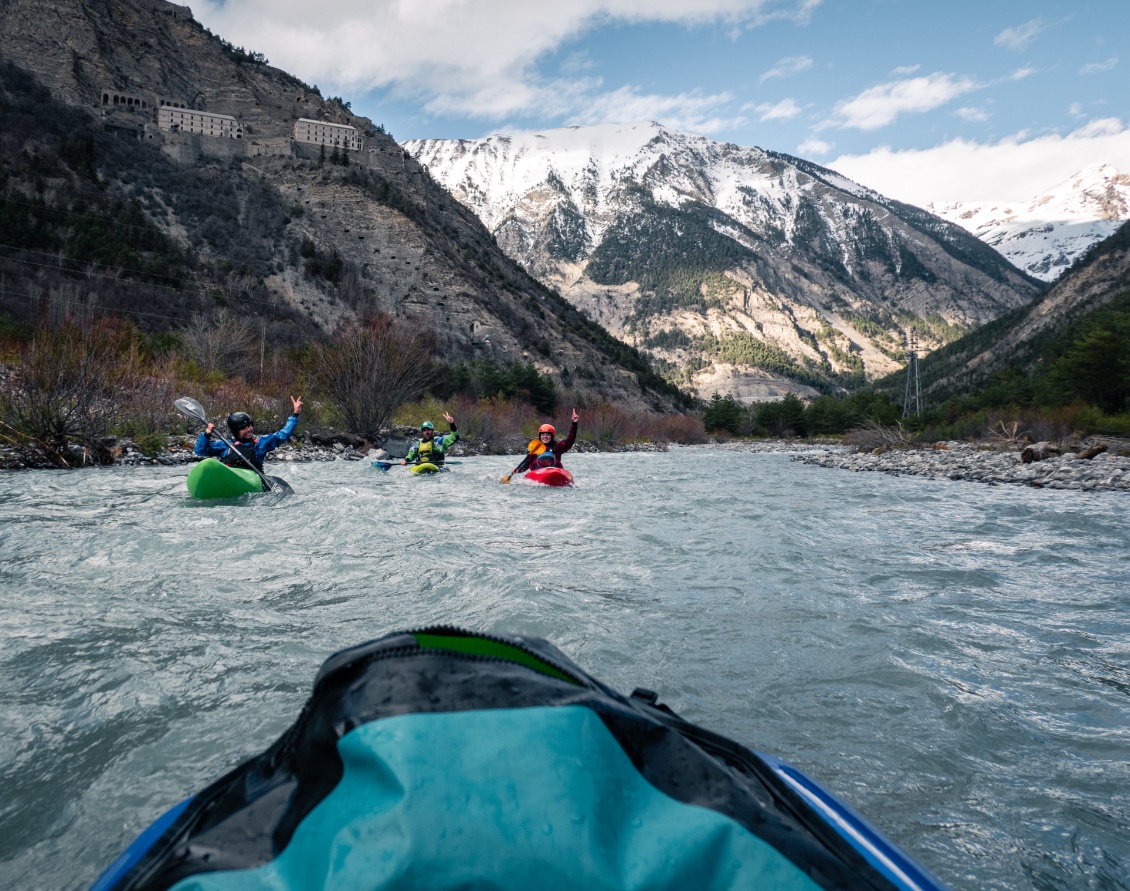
386 465
536 447
192 409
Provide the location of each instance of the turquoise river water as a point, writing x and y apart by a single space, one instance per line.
952 659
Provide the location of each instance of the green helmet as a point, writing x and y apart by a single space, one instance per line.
427 425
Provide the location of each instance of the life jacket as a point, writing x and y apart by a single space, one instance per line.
247 449
427 453
547 457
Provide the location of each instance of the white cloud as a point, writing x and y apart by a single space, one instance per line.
972 114
814 148
1020 37
474 58
1014 169
1099 67
881 105
787 67
904 70
1021 73
785 110
1076 110
1101 127
689 112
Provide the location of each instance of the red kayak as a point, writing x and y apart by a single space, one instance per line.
551 476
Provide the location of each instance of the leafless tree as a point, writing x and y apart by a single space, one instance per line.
69 387
871 435
371 368
221 342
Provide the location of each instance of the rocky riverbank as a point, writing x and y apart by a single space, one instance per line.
1087 467
311 445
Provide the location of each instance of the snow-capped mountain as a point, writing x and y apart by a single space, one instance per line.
746 271
1045 235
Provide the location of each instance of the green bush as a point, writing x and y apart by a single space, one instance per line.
151 444
723 413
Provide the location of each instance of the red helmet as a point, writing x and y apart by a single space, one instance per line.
546 428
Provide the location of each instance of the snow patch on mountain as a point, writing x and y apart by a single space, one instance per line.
593 165
1045 235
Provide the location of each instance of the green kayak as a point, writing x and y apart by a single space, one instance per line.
211 479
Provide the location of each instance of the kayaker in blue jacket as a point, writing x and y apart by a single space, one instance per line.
428 449
253 448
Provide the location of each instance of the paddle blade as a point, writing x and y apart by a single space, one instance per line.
505 479
190 408
382 465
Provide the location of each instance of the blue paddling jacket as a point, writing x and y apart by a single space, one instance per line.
256 450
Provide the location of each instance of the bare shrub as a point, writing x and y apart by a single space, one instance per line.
873 435
506 423
369 369
1007 433
148 405
607 423
685 429
69 388
221 342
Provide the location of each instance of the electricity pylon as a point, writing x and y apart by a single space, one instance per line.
912 396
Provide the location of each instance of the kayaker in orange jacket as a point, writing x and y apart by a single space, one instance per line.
546 452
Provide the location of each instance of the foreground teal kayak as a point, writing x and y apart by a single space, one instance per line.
444 759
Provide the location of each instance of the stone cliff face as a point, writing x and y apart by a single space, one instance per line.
742 270
398 242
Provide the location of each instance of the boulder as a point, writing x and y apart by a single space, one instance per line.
1039 451
327 438
1088 454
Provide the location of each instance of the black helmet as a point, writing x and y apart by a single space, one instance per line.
237 420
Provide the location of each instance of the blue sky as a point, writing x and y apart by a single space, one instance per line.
948 100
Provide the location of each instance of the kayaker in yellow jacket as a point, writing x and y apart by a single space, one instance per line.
428 449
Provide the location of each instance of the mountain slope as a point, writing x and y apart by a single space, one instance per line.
263 224
742 270
1018 338
1045 235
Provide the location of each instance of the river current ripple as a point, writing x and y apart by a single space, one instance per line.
952 659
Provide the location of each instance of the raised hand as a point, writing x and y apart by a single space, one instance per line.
448 418
297 404
576 417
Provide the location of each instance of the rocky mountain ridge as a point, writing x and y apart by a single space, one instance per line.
275 227
1046 234
744 271
1016 339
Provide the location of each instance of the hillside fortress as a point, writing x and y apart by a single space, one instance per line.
187 129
